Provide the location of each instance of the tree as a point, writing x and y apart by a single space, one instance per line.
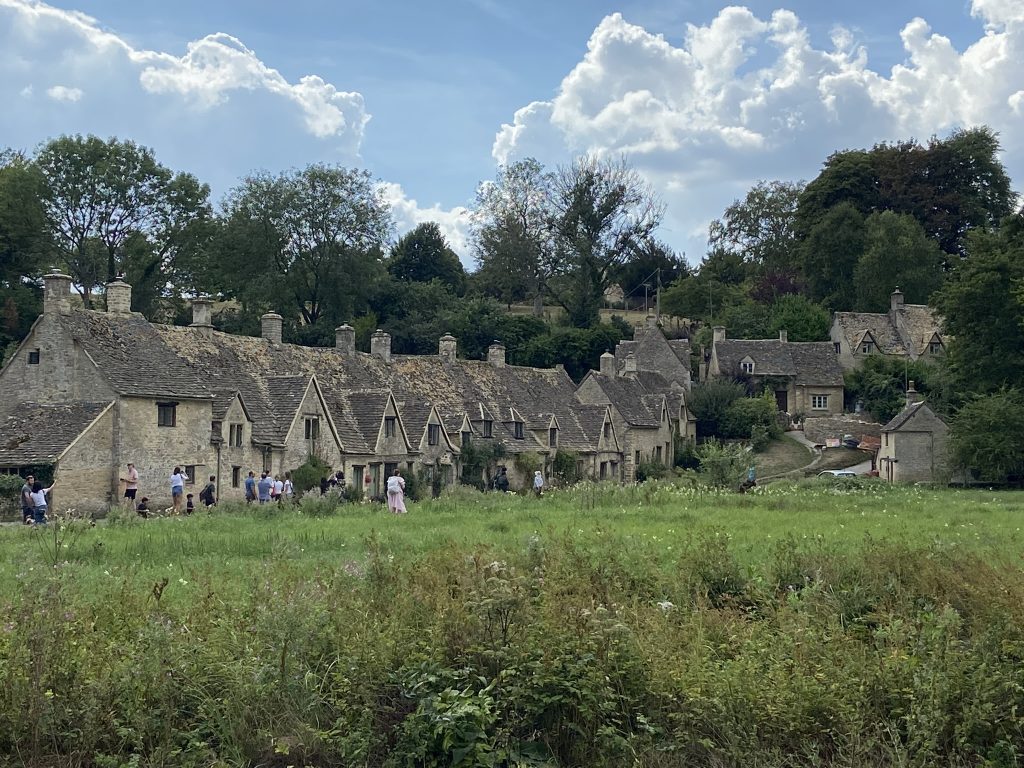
603 213
880 384
652 262
101 197
24 236
307 242
761 227
985 436
423 254
983 311
512 232
801 318
710 401
897 253
829 256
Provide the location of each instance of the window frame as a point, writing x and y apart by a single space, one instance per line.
433 434
487 428
311 428
236 477
517 430
866 347
34 356
190 473
235 434
819 402
552 437
465 437
747 366
162 409
390 426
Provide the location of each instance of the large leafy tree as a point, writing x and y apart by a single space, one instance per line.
985 437
112 208
653 263
829 256
423 254
983 311
305 242
603 213
897 253
761 227
512 235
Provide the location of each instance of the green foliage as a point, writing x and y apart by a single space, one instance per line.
527 462
829 254
746 412
565 467
578 349
721 464
650 470
478 460
307 477
880 384
760 437
423 254
897 253
710 400
801 318
685 454
761 227
985 438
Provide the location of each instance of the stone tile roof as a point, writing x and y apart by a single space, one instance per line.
901 418
591 421
367 409
807 362
653 352
39 434
908 330
132 356
627 395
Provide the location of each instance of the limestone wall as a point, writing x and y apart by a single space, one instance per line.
82 481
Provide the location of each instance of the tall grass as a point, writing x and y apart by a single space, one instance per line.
818 624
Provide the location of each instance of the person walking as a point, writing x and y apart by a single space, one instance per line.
178 480
501 480
278 492
250 488
209 494
131 486
289 487
396 493
538 483
27 506
39 505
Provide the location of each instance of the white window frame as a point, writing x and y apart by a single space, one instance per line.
819 402
747 366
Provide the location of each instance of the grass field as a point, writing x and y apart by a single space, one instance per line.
843 623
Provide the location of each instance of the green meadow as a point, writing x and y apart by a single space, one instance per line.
822 623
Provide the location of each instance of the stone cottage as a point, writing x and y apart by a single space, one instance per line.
909 331
805 376
914 444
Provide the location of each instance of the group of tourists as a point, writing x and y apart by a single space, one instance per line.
269 488
33 502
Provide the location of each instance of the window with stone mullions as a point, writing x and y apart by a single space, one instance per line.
390 426
312 428
433 434
235 435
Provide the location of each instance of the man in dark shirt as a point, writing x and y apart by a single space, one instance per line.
26 500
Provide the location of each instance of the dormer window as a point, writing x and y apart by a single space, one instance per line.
390 426
486 428
433 434
553 437
607 431
837 347
934 347
866 347
747 366
517 430
312 428
466 436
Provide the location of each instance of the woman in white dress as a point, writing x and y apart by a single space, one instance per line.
396 493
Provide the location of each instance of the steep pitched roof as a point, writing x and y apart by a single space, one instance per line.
908 330
808 362
627 395
901 419
39 434
653 352
130 353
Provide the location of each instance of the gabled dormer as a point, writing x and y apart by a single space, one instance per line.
515 424
483 420
435 437
867 344
748 366
935 345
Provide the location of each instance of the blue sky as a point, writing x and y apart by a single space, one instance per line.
703 98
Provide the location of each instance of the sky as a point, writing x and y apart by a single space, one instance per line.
703 99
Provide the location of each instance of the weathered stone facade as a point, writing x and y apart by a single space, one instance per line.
914 445
106 388
910 331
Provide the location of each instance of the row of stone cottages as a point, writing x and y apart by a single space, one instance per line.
88 391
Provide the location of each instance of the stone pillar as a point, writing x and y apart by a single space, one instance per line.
718 333
784 336
496 354
119 297
271 327
345 340
608 364
56 293
380 345
447 347
896 300
913 396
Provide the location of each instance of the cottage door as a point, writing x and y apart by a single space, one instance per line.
782 399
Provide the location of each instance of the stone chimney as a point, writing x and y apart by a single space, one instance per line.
345 340
56 293
447 346
718 333
651 321
630 363
608 364
202 314
119 296
271 324
913 396
784 336
380 345
496 354
896 300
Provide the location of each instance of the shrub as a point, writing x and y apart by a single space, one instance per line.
747 412
685 454
709 402
760 437
650 470
307 477
721 464
565 467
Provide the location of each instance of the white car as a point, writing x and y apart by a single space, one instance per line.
837 473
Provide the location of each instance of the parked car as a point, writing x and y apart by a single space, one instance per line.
837 473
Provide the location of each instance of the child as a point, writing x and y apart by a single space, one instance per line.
143 508
190 507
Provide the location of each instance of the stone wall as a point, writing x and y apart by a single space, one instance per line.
82 481
818 429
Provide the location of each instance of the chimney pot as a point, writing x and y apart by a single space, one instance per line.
913 396
630 363
119 297
496 354
202 312
271 325
447 347
896 300
345 339
718 333
380 345
608 364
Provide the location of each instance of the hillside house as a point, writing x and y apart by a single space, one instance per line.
914 444
910 331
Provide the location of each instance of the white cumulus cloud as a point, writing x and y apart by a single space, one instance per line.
454 223
61 93
744 98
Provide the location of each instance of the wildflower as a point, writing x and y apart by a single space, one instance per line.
665 606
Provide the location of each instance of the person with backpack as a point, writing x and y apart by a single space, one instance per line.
250 488
209 494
